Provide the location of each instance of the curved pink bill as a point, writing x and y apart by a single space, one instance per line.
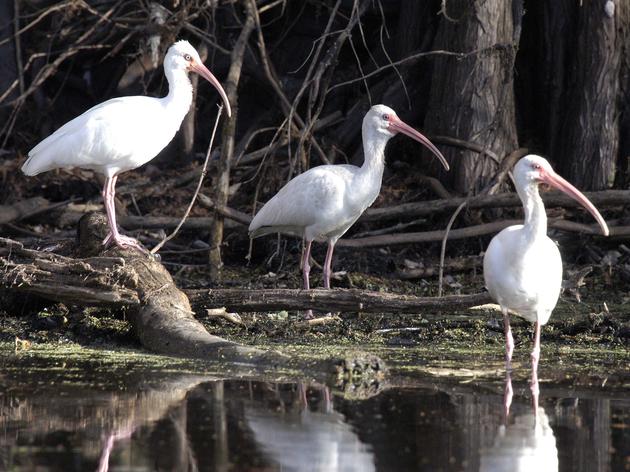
206 74
550 177
399 126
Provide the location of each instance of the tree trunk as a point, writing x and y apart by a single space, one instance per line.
473 98
221 183
589 136
623 167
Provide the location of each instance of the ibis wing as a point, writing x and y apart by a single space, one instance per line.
311 198
121 133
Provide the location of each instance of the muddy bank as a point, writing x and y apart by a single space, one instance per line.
601 321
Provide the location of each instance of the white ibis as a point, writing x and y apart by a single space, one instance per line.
324 202
528 443
124 133
522 267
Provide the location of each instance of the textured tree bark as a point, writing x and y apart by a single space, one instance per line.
473 98
623 167
548 40
588 141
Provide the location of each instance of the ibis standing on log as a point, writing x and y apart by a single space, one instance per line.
124 133
522 267
324 202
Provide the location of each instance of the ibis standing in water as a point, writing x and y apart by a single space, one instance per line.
522 267
324 202
124 133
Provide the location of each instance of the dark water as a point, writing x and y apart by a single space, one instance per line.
77 414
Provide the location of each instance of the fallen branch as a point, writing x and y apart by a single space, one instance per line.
473 231
22 209
353 300
552 199
459 264
224 210
130 222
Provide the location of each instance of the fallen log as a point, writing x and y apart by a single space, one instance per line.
471 232
459 264
551 199
160 313
27 208
345 300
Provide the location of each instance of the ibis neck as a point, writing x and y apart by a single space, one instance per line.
180 93
374 155
535 216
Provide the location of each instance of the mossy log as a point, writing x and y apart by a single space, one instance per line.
160 313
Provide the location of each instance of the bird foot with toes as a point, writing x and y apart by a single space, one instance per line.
124 242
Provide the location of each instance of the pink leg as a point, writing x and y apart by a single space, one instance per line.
124 433
535 358
508 393
328 264
536 350
306 270
303 400
509 340
124 242
306 266
535 393
328 405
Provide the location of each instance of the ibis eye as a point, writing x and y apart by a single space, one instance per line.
188 57
536 166
386 116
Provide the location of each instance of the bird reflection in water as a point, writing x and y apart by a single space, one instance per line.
300 438
292 426
103 463
527 443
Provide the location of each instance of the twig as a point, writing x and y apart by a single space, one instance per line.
194 198
414 57
445 14
448 140
322 75
47 11
443 248
18 43
275 85
390 229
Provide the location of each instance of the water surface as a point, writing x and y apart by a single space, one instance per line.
122 411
